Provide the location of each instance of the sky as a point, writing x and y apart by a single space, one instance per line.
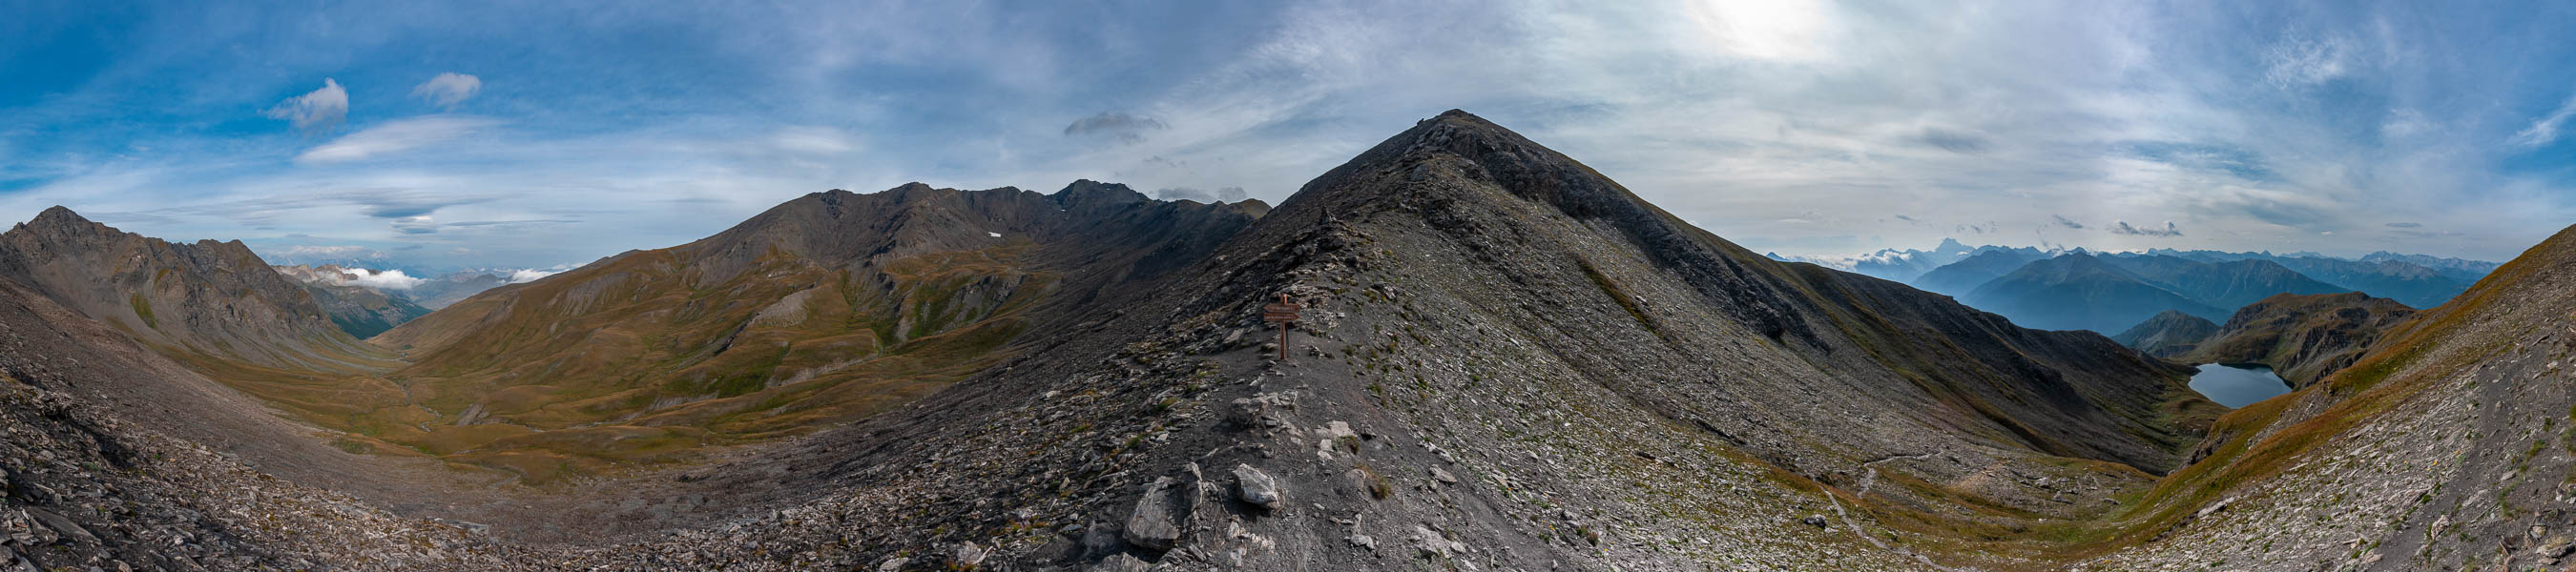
440 135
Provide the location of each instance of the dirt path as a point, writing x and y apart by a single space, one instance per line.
1869 477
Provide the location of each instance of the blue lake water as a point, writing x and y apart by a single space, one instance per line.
2237 385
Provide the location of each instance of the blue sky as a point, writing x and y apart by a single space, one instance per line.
438 135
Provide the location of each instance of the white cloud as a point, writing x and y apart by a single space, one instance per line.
392 137
530 275
388 279
316 112
448 89
2545 130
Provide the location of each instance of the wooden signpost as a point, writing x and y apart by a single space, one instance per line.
1281 313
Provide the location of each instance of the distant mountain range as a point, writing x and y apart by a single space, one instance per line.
1907 265
1966 275
2039 288
2084 292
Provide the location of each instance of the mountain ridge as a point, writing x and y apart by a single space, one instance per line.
206 298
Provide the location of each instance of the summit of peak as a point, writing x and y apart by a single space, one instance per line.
1090 192
61 220
58 214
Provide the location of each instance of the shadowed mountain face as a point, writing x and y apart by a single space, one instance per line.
823 309
209 299
2171 334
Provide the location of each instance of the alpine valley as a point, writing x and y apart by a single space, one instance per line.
1501 360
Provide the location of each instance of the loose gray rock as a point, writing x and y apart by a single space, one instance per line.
1119 563
2556 547
1151 525
1257 487
968 556
1815 520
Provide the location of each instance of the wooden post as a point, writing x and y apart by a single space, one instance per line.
1281 313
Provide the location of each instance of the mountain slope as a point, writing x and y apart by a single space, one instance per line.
2302 337
1959 278
823 309
2168 334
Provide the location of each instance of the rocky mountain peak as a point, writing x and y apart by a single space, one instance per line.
56 216
60 221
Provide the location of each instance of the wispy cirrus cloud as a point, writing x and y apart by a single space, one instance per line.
394 137
2545 130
